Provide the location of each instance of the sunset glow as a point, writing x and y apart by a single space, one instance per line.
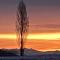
45 36
41 36
38 41
8 36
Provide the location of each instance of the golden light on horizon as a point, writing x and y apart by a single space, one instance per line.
37 41
44 36
37 36
8 36
49 50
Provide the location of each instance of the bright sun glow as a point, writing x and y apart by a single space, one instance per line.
44 36
8 36
41 36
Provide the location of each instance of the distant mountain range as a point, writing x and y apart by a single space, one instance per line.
27 52
15 52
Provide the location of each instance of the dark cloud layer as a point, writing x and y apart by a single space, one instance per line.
52 26
43 2
32 2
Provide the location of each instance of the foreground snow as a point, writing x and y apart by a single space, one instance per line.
36 57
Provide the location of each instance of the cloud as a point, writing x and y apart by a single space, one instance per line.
47 26
51 26
43 2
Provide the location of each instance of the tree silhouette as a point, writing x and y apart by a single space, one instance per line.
22 25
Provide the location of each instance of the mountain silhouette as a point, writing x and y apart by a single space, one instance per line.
5 52
15 52
27 52
32 52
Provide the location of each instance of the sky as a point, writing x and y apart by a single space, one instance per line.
43 16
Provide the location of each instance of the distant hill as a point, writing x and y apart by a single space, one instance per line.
27 52
15 52
6 52
32 52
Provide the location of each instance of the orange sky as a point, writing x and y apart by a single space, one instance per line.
34 44
35 41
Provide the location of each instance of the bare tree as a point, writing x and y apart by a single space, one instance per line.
22 25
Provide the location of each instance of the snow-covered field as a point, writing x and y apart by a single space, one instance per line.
19 58
42 57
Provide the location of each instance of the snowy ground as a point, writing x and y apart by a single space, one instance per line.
42 57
